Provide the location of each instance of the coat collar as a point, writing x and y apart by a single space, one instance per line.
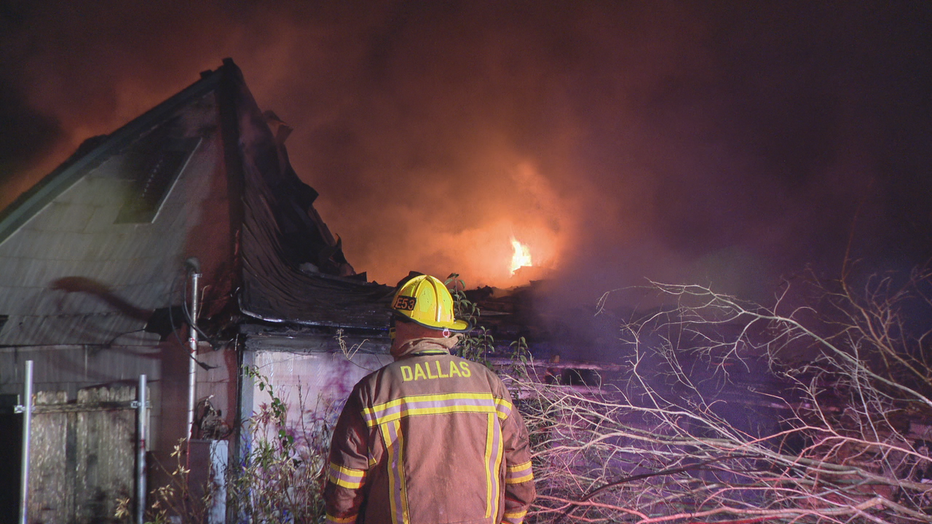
414 346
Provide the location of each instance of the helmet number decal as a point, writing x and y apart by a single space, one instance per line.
403 303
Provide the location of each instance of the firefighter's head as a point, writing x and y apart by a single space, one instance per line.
423 308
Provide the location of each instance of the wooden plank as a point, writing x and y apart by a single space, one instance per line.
83 455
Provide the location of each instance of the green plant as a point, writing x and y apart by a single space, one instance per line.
518 352
279 477
478 343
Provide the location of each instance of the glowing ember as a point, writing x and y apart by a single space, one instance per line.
522 256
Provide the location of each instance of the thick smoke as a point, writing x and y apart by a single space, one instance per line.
724 143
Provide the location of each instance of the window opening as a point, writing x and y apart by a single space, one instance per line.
153 164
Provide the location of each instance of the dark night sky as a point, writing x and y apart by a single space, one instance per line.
728 143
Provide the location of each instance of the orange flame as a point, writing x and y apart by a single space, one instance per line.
522 256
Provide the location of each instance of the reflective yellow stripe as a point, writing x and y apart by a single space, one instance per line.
515 517
445 396
490 474
401 474
519 467
394 447
346 477
499 455
345 484
436 404
517 480
519 473
338 520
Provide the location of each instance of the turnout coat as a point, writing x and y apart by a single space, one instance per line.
430 438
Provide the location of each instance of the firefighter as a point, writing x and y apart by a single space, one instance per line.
429 438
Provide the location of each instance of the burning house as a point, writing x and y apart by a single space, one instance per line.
190 215
184 248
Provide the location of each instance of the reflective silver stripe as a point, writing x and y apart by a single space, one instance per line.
436 404
394 446
514 517
493 459
517 473
346 477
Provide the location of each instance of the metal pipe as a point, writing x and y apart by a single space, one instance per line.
27 423
141 414
192 341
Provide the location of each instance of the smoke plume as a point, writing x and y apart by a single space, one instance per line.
726 143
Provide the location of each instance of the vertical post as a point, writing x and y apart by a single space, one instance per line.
192 341
27 423
141 414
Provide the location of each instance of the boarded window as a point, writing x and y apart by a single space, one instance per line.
153 164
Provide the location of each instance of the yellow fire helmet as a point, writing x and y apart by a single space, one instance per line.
426 301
